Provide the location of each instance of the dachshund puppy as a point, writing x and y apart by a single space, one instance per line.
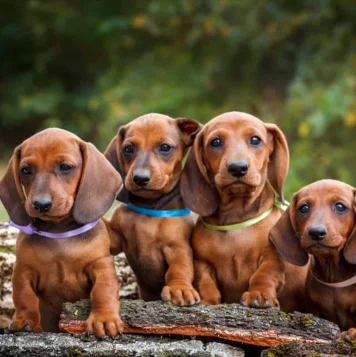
56 189
154 229
234 179
321 222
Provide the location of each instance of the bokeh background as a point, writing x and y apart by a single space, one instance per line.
90 66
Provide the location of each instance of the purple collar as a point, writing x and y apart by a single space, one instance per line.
30 230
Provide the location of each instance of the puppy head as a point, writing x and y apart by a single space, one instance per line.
54 175
234 154
149 151
320 221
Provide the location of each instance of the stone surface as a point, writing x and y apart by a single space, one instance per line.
64 345
7 259
228 322
126 278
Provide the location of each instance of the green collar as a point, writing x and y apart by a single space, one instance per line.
250 222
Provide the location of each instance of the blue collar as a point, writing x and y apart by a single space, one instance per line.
158 212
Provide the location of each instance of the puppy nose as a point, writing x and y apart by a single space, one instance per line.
142 178
238 168
42 205
317 233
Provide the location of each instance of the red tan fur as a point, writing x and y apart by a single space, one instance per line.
321 222
239 265
158 249
58 183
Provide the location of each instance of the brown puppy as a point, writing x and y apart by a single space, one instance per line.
226 181
321 221
58 183
149 153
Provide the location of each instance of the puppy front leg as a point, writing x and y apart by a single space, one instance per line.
266 281
179 276
206 283
114 229
27 315
104 317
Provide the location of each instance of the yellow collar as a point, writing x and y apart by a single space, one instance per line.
231 227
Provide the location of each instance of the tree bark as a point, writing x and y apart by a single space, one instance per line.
298 349
233 322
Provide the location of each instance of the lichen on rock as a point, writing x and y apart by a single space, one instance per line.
64 345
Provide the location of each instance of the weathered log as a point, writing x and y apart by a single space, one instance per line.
224 322
298 349
64 345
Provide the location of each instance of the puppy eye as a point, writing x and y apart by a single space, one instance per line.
255 140
26 170
216 143
165 148
65 168
304 209
129 149
339 207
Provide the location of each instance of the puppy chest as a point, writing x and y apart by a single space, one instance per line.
226 250
62 281
232 261
345 306
337 305
143 250
234 272
144 245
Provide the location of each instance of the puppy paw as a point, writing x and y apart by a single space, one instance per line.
104 324
180 295
258 299
348 336
25 324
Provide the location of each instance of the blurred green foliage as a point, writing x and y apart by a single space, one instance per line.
90 66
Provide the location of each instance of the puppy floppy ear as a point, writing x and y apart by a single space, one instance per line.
197 191
350 246
11 193
285 238
112 153
98 186
189 128
278 164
